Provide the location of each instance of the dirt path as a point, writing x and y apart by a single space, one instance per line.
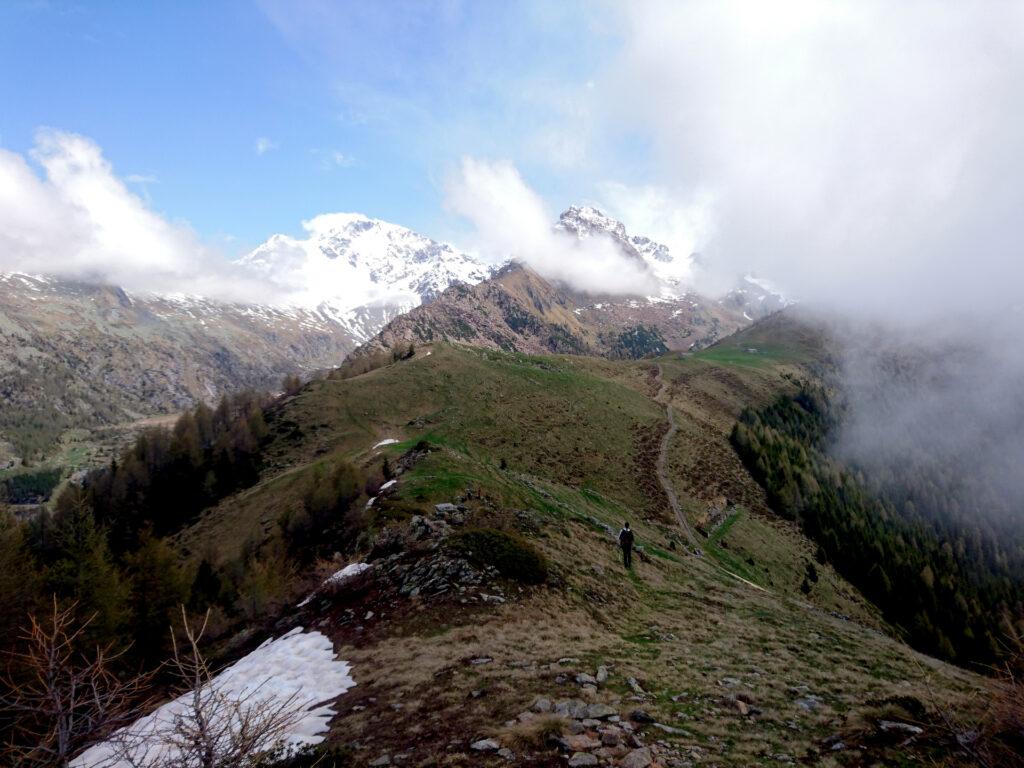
662 465
670 491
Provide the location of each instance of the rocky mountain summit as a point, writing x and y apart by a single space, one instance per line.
519 310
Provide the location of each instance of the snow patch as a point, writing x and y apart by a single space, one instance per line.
336 578
297 664
388 441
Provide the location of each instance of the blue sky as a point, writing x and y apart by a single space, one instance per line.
853 150
363 106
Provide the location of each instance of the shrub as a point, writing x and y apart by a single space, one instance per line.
513 556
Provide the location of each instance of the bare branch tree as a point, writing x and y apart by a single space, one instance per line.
209 726
61 698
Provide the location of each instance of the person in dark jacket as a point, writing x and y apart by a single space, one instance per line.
626 542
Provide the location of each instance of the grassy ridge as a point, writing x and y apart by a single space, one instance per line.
566 439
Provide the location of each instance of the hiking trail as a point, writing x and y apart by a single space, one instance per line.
669 488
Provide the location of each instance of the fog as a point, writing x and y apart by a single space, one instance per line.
868 158
510 220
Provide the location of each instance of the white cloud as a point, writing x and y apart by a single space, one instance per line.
866 155
79 220
264 145
665 217
511 221
330 159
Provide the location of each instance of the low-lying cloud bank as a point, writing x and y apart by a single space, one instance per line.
510 220
79 220
866 155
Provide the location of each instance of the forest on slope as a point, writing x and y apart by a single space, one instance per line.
950 576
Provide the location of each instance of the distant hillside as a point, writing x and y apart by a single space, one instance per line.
518 310
75 355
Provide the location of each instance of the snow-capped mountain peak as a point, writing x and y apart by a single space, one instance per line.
586 221
360 270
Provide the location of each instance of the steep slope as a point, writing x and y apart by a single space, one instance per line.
74 355
519 310
717 644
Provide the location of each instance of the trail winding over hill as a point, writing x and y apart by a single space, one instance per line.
663 478
666 482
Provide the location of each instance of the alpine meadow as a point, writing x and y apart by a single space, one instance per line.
440 384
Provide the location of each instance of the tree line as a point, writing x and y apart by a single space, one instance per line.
950 577
101 559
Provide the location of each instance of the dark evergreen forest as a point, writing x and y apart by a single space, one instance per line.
933 549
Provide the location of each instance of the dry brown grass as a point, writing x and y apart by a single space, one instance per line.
532 735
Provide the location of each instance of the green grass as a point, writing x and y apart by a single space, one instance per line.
753 357
724 528
566 430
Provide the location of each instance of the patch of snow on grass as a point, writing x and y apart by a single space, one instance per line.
297 664
388 441
388 484
338 577
346 573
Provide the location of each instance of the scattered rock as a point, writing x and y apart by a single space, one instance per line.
445 508
638 758
485 745
610 739
381 761
809 703
639 716
506 753
634 686
481 660
582 743
581 759
602 674
542 705
419 528
584 679
669 729
573 708
600 711
892 726
741 707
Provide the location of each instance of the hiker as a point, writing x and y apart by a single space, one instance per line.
626 542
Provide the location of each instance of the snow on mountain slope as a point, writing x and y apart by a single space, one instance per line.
671 271
756 297
753 297
359 271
